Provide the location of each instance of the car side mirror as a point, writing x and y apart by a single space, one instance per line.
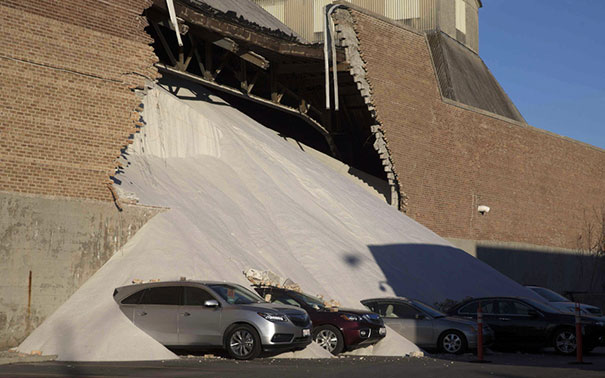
420 316
211 303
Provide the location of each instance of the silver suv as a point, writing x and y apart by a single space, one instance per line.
213 314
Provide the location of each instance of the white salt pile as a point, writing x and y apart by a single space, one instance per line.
393 344
240 197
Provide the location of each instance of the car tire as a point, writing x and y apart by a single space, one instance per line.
242 342
564 341
329 338
452 342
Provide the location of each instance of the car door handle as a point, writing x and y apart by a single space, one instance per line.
186 314
143 313
504 319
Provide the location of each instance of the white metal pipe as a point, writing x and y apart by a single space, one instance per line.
334 61
326 58
175 24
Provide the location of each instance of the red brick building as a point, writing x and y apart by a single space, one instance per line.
444 137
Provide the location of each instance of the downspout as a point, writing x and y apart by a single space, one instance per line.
175 24
328 25
326 60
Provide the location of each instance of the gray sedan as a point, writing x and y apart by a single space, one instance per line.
183 314
427 327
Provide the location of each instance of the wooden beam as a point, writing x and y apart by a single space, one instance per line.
208 57
223 88
163 42
253 82
311 67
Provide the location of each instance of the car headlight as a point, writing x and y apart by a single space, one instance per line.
600 324
273 317
351 317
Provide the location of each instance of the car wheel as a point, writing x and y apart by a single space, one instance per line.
242 342
329 338
564 341
452 342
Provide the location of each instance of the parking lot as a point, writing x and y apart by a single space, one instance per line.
539 364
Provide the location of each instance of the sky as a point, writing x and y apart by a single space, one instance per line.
549 56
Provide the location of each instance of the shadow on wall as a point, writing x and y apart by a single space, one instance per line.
437 274
559 271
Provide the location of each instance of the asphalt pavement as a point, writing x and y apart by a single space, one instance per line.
514 365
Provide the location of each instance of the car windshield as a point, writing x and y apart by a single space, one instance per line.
541 306
434 313
313 302
235 294
549 295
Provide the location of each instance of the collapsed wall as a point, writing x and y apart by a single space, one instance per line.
239 197
67 108
449 158
68 70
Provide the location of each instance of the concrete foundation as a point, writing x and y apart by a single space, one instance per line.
48 248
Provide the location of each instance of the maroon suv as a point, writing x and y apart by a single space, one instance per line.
335 331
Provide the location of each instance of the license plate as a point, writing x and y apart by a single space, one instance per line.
382 331
306 332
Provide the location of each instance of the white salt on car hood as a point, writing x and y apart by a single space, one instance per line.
241 197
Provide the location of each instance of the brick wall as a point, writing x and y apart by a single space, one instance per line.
67 107
449 159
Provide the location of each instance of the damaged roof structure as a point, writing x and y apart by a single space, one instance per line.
395 126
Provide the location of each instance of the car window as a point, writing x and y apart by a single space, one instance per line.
403 311
284 300
372 306
236 294
381 308
487 307
310 301
395 310
195 296
134 298
549 295
166 295
509 307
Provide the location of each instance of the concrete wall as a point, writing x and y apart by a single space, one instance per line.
62 242
450 158
560 269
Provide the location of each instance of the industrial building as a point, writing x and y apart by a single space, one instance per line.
407 103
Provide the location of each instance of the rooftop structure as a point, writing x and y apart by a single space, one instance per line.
457 18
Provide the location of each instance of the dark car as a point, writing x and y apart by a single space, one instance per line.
563 304
527 323
427 327
335 331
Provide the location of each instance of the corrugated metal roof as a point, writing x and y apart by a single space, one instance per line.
464 77
249 11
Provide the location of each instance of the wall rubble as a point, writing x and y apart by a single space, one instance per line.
348 39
